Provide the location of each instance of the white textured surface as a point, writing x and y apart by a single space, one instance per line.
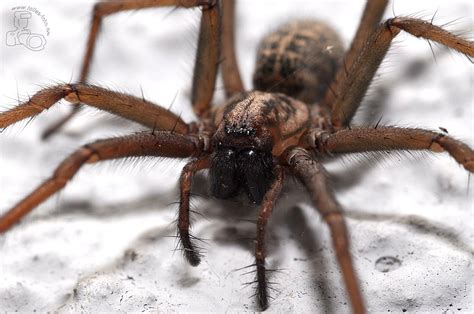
103 244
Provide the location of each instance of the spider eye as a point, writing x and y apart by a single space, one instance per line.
249 153
229 154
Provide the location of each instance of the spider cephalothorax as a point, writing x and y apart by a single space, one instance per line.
307 92
253 128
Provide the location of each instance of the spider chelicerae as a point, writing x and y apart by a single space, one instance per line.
240 161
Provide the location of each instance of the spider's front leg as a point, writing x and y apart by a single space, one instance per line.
205 70
390 138
260 253
163 144
126 106
189 249
313 175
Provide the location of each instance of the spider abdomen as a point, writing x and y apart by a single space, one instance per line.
298 59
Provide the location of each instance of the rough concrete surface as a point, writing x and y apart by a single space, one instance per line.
106 243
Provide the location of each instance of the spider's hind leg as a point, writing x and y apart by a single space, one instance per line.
369 22
354 81
230 70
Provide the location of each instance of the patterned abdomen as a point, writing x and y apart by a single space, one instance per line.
298 59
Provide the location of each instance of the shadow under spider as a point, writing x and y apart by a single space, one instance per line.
305 236
242 232
419 224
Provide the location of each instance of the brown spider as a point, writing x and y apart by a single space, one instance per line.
250 141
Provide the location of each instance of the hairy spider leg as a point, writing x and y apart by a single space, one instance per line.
353 86
205 70
370 20
268 204
392 138
189 249
126 106
162 144
313 176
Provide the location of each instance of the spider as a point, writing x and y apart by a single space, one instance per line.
244 142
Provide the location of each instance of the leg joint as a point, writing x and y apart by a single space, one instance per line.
295 156
205 4
437 143
202 144
317 139
392 25
72 93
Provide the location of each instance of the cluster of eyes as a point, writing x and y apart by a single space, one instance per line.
241 130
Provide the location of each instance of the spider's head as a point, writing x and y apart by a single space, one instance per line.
242 158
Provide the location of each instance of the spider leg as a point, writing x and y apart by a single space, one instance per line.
163 144
369 21
103 9
267 206
392 138
189 250
205 61
352 86
230 70
314 178
126 106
